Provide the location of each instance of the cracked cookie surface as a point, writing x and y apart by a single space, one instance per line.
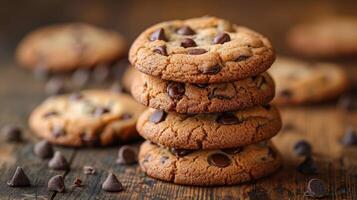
66 47
203 98
209 167
211 131
89 118
201 50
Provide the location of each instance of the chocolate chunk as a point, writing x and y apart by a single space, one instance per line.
175 90
181 152
58 162
58 131
112 184
157 116
117 87
99 111
350 137
212 69
75 96
308 166
196 51
227 119
161 50
80 77
50 114
221 38
302 148
56 184
219 160
241 58
126 116
77 182
101 73
11 133
201 85
187 42
316 188
19 179
286 93
163 159
88 170
185 30
43 149
127 155
158 35
233 150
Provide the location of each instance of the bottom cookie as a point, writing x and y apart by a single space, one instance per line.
209 167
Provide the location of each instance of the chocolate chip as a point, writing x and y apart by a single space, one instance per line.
201 85
196 51
77 182
185 30
316 188
88 170
50 114
233 150
101 73
350 137
157 116
158 35
227 119
181 152
187 42
80 77
212 69
99 111
163 159
19 179
126 116
58 162
241 58
127 155
286 93
302 148
308 166
58 131
219 160
43 149
56 184
112 184
161 50
11 133
221 38
75 96
175 90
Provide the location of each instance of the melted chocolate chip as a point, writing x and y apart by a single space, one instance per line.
112 184
181 152
77 182
127 155
221 38
212 69
161 50
58 131
187 42
196 51
233 150
185 30
19 179
219 160
302 148
227 119
316 188
158 35
241 58
175 90
157 116
56 184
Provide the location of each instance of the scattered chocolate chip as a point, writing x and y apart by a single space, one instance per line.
316 188
117 87
58 162
56 184
80 77
212 69
158 35
77 182
227 119
157 116
350 137
11 133
308 166
88 170
163 159
181 152
221 38
75 96
101 73
43 149
302 148
175 90
201 85
126 116
241 58
161 50
185 30
41 73
286 93
127 155
196 51
187 42
233 150
112 184
58 131
99 111
19 179
50 114
219 160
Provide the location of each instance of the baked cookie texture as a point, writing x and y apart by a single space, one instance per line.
210 167
327 37
89 118
203 98
65 47
201 50
211 131
298 82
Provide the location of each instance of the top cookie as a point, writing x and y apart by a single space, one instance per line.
201 50
66 47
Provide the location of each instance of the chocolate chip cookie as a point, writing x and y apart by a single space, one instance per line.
209 167
65 47
298 82
203 98
210 131
92 117
201 50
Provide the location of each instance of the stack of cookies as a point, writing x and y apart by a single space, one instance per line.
209 121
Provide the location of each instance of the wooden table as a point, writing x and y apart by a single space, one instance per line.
322 125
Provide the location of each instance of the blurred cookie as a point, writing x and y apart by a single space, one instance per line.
201 50
299 82
92 117
209 167
66 47
325 37
129 77
203 98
